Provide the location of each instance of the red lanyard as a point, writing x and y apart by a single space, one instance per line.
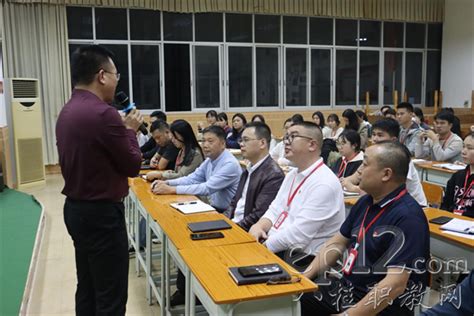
343 166
363 229
291 196
468 174
446 140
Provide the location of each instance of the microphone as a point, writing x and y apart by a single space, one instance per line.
122 100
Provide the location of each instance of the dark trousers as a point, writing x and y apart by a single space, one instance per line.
101 248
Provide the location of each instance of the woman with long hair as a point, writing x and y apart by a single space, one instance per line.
318 119
238 124
352 122
334 127
190 155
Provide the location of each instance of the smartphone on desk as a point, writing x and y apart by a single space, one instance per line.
259 270
441 220
202 236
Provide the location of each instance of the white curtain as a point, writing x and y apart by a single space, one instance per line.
35 46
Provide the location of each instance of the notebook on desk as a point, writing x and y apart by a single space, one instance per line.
449 166
191 207
459 226
198 227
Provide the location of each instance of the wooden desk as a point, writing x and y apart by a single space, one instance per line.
220 295
435 175
349 202
447 246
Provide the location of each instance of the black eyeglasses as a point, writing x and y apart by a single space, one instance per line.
289 138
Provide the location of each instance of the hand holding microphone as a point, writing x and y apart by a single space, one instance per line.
133 118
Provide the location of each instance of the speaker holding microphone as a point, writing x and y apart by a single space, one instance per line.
123 102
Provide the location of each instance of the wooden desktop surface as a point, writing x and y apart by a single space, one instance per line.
351 201
429 166
210 266
435 229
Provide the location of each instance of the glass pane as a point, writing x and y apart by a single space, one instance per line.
346 32
295 30
240 76
111 24
433 76
320 77
79 22
177 26
267 29
346 77
267 76
146 76
209 27
369 76
392 78
413 76
320 31
177 77
296 76
435 35
392 34
238 27
144 25
207 76
415 35
369 33
121 62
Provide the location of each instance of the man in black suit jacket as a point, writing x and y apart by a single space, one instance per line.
260 182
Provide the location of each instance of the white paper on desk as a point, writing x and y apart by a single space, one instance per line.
419 160
459 234
465 227
449 166
191 207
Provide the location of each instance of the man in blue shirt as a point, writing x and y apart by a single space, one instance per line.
385 240
217 177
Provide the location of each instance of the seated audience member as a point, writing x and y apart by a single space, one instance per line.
258 118
309 207
233 138
190 154
382 110
261 180
211 119
390 113
217 177
278 152
419 118
318 119
409 130
297 118
334 129
352 122
387 239
457 303
165 157
351 155
443 145
456 129
459 195
223 122
388 130
150 148
364 120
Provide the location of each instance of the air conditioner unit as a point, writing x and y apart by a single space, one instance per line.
24 120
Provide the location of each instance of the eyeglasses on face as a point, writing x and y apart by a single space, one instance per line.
246 140
117 74
289 138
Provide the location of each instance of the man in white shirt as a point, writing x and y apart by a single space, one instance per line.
278 152
309 207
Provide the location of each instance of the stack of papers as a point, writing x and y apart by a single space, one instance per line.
449 166
461 226
191 207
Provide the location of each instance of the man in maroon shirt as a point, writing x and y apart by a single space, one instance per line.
97 152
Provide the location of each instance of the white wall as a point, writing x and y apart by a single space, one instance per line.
457 61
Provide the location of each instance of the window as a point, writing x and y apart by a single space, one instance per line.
369 76
144 25
240 77
177 74
267 29
206 61
296 76
79 22
177 26
433 76
111 24
392 34
392 79
346 32
413 76
267 76
209 27
238 27
146 76
346 77
369 33
295 30
435 35
320 31
415 34
320 77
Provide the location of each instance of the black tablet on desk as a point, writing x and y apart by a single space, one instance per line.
198 227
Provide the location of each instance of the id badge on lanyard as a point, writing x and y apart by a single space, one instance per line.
281 219
351 259
459 212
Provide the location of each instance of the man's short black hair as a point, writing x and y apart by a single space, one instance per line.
159 115
159 125
390 111
216 130
407 106
297 118
396 157
445 116
315 131
86 62
261 131
388 125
